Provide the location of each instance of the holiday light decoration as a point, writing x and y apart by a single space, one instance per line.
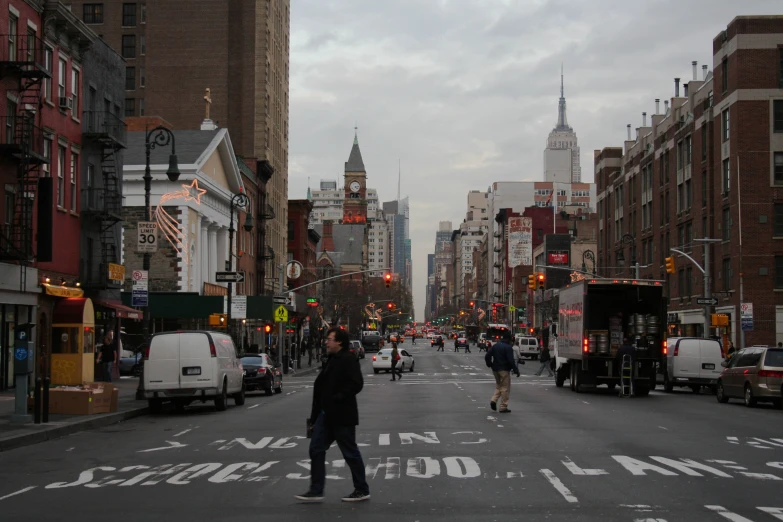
169 225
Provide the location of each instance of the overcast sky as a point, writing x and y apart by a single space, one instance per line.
465 92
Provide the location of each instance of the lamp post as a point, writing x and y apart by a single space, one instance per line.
160 136
588 254
628 238
237 201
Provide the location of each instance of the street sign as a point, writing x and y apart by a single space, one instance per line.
140 289
710 301
512 308
281 314
281 300
293 270
229 277
239 307
746 316
147 242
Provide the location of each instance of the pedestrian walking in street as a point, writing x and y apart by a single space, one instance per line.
545 357
501 359
467 346
333 418
440 344
107 357
395 359
456 344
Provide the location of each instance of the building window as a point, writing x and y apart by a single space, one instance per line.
129 15
61 78
726 175
75 91
680 155
726 273
90 185
689 281
726 224
130 107
48 64
142 77
143 13
74 171
688 150
681 283
47 152
725 78
13 25
704 142
724 132
290 231
688 195
777 109
778 220
92 13
129 46
141 106
779 168
130 78
142 44
61 176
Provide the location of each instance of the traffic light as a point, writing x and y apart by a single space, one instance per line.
387 279
390 306
472 304
531 281
540 280
671 268
267 328
217 320
462 312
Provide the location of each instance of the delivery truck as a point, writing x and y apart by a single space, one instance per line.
594 316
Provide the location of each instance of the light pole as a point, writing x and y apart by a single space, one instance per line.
628 238
588 254
158 137
239 201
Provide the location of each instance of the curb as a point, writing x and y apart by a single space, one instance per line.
28 439
303 373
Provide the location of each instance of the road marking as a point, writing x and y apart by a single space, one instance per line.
25 490
728 515
559 486
732 440
182 432
253 406
576 470
586 402
172 445
667 429
71 449
775 512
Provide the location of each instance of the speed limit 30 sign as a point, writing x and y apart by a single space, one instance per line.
148 237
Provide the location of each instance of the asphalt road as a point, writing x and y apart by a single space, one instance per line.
433 450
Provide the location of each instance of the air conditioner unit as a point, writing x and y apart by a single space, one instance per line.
66 102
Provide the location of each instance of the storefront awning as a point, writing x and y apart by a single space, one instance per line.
63 291
124 312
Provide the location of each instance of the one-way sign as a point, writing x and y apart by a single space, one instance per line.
711 301
229 277
281 300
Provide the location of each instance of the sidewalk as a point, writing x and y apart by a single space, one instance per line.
14 435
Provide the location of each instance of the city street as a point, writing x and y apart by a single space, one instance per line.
433 450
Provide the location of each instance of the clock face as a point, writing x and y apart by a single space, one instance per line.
355 186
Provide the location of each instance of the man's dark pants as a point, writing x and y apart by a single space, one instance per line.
323 437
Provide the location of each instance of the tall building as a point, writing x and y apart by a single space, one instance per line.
379 246
471 232
355 203
237 50
561 156
329 200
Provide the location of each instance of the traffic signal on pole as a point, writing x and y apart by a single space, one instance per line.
267 328
671 268
387 279
472 304
390 306
531 281
540 280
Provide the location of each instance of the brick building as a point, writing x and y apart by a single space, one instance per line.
240 51
302 243
710 165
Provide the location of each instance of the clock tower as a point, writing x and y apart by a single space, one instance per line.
355 205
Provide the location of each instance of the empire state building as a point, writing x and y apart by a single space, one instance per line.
561 156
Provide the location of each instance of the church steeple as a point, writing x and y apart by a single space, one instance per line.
355 162
562 122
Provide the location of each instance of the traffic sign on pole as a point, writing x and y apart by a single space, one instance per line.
229 277
147 241
281 314
708 301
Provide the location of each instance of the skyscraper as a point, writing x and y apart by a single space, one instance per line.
561 156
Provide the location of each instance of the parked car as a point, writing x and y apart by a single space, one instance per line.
382 360
692 362
188 366
753 374
261 373
130 363
357 349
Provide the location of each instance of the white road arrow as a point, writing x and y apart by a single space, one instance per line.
172 445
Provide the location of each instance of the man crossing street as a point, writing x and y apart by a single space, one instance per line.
501 359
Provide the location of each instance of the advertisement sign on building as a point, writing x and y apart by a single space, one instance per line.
520 241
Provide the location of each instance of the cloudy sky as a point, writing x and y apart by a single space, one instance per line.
464 92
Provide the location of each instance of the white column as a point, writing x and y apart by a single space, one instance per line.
203 248
222 249
213 252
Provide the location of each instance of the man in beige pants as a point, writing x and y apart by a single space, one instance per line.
502 361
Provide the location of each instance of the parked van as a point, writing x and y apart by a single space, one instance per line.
528 346
692 362
189 366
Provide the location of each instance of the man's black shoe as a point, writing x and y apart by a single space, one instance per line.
356 496
493 405
504 411
310 497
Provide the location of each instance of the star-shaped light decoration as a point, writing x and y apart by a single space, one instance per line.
192 189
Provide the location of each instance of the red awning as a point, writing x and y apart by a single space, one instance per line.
124 312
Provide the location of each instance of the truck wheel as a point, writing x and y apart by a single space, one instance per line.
571 378
667 384
577 379
559 378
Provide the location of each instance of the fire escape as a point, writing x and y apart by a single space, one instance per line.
266 213
21 143
102 205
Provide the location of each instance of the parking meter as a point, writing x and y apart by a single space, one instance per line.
24 360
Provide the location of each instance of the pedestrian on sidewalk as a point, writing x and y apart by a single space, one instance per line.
334 416
395 359
107 357
545 357
501 359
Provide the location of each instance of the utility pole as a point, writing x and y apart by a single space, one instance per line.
280 325
707 272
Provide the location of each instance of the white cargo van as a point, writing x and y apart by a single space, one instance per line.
692 362
528 346
188 366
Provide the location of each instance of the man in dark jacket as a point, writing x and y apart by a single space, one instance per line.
501 359
334 417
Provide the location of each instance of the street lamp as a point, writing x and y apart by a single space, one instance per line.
628 238
588 254
237 201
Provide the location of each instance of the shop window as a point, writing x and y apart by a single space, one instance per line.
65 340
